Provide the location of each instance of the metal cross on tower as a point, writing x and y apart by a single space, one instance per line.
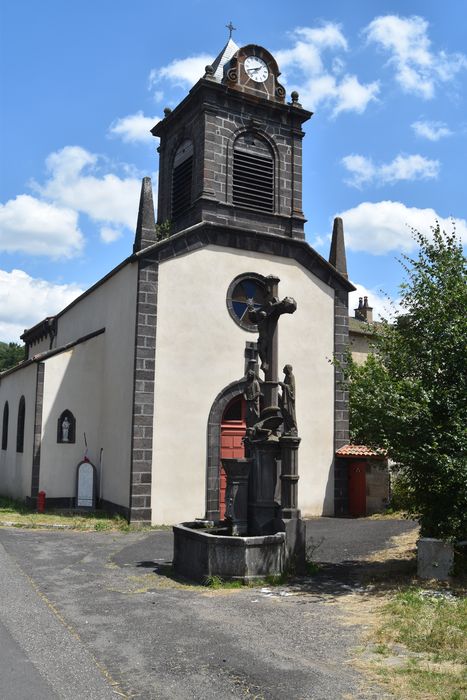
231 28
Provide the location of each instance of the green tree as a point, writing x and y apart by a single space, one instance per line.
410 397
10 355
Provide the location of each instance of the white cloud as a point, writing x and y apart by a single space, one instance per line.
74 183
327 36
24 301
134 128
413 167
316 84
109 235
182 72
353 96
418 69
381 227
28 225
433 131
48 223
382 306
360 167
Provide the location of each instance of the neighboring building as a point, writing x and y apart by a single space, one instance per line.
362 481
361 331
361 474
147 366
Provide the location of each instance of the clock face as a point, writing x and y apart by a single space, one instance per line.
256 69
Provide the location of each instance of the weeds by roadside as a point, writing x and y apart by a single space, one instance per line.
421 642
417 640
18 514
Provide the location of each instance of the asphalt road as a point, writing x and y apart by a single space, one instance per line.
98 615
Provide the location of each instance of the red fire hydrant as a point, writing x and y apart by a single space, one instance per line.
41 502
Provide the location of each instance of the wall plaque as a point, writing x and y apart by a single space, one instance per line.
86 485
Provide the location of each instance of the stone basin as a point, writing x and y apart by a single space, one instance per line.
200 552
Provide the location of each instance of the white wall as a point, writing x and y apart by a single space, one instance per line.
111 305
72 380
16 467
200 350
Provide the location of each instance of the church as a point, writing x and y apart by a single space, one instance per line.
144 373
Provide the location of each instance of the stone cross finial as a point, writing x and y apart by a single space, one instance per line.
231 28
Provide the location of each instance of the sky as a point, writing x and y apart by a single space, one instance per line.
83 83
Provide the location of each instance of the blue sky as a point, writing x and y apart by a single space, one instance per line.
82 83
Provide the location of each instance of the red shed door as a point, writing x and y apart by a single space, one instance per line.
357 488
233 429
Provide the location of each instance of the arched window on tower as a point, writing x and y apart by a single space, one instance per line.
6 413
253 173
182 174
20 425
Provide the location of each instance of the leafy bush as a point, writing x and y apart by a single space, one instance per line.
410 397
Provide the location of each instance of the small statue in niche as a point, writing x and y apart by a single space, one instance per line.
287 401
66 429
251 394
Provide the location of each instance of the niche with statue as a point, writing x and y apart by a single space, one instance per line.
66 428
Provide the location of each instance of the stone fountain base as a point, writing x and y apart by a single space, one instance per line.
201 551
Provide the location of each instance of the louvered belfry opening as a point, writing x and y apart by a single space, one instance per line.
182 179
253 173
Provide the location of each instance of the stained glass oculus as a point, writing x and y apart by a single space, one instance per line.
245 291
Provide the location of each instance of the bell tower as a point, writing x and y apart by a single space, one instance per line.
231 151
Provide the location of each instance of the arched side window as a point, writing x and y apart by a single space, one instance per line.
20 425
253 173
182 174
6 413
66 428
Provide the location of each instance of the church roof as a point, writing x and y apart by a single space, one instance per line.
224 57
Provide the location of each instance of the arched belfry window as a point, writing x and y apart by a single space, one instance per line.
6 413
20 425
182 174
253 173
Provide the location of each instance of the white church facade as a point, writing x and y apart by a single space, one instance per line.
147 367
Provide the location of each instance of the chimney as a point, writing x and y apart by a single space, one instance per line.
364 312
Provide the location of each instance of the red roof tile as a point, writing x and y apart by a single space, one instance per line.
359 451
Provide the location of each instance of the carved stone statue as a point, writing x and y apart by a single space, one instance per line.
251 394
287 401
65 430
266 318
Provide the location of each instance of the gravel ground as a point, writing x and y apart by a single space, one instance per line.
153 637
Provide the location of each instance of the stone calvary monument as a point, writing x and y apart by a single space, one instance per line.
262 532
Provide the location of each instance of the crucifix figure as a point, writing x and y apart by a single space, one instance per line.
266 318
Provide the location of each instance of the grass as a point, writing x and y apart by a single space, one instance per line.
390 514
427 631
21 515
218 583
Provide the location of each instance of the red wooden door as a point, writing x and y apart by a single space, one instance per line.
233 429
357 488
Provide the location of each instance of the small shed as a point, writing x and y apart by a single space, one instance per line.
361 481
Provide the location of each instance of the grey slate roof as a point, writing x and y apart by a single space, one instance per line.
224 57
